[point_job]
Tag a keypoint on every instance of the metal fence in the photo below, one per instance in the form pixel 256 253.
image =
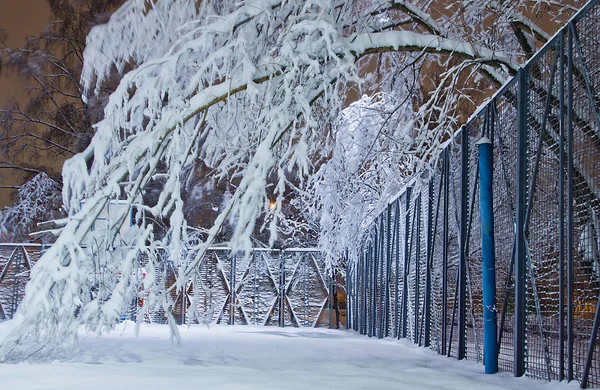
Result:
pixel 418 275
pixel 16 261
pixel 270 287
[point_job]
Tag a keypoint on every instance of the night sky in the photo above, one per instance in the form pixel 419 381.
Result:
pixel 18 18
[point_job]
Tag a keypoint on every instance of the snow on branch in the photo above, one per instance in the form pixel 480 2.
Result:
pixel 408 41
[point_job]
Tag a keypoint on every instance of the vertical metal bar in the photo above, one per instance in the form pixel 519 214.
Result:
pixel 520 260
pixel 434 233
pixel 255 288
pixel 375 280
pixel 15 300
pixel 362 290
pixel 330 300
pixel 388 265
pixel 446 239
pixel 406 257
pixel 561 213
pixel 369 314
pixel 349 297
pixel 360 272
pixel 374 286
pixel 397 260
pixel 365 282
pixel 490 346
pixel 382 267
pixel 183 304
pixel 354 274
pixel 417 272
pixel 462 285
pixel 282 289
pixel 429 259
pixel 360 286
pixel 570 242
pixel 335 303
pixel 357 289
pixel 232 296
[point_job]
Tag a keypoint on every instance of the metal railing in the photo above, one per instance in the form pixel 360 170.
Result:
pixel 16 261
pixel 270 287
pixel 418 275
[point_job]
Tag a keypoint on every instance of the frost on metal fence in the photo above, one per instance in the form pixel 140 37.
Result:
pixel 269 287
pixel 418 275
pixel 15 263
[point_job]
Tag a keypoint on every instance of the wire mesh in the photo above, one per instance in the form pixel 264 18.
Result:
pixel 503 119
pixel 558 112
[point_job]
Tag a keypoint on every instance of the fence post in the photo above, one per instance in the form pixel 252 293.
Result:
pixel 490 343
pixel 373 287
pixel 570 243
pixel 15 297
pixel 429 259
pixel 416 338
pixel 282 289
pixel 462 274
pixel 232 292
pixel 369 290
pixel 382 269
pixel 396 244
pixel 348 294
pixel 365 279
pixel 330 300
pixel 520 260
pixel 388 265
pixel 561 212
pixel 406 257
pixel 183 305
pixel 356 290
pixel 375 273
pixel 446 240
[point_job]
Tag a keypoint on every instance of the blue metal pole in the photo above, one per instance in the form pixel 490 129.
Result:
pixel 490 331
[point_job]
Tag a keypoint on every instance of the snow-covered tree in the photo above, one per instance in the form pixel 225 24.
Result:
pixel 370 163
pixel 39 200
pixel 51 123
pixel 248 87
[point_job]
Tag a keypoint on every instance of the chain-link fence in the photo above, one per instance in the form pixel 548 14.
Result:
pixel 419 274
pixel 270 287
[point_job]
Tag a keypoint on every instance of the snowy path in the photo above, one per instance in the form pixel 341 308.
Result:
pixel 242 357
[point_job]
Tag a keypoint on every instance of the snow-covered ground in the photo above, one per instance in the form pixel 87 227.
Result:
pixel 243 357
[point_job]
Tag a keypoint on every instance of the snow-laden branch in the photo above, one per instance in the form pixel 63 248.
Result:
pixel 409 41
